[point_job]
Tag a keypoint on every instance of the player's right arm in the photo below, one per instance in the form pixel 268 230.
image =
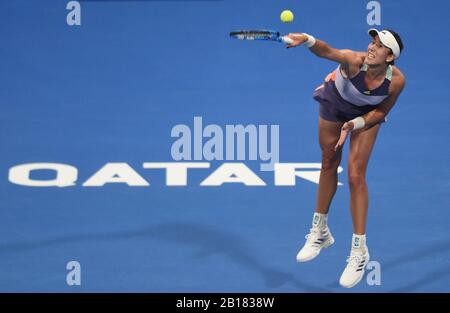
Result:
pixel 350 60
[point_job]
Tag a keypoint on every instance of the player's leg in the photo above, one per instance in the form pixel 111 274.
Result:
pixel 329 133
pixel 361 145
pixel 320 236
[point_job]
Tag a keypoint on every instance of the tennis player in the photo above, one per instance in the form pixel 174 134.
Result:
pixel 354 101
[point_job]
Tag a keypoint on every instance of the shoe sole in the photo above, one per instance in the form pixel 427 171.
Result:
pixel 326 244
pixel 355 283
pixel 359 280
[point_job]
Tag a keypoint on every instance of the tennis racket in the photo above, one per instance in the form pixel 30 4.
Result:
pixel 262 34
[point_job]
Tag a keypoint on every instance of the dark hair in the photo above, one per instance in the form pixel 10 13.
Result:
pixel 399 41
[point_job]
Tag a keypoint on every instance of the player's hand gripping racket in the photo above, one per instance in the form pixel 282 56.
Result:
pixel 261 34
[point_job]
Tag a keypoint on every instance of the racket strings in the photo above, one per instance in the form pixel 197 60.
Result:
pixel 254 35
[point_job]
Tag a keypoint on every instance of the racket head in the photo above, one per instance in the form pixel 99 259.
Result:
pixel 258 34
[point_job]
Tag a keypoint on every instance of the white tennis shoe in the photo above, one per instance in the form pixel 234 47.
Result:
pixel 316 240
pixel 354 271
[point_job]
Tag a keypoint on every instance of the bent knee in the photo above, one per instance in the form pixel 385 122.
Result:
pixel 330 162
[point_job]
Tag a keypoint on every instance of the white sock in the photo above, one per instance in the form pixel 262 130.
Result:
pixel 320 220
pixel 359 242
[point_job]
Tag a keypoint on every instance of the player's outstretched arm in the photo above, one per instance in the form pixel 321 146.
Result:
pixel 345 57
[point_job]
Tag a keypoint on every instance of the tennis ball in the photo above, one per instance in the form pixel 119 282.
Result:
pixel 287 16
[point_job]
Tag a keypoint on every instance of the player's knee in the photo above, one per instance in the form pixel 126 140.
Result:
pixel 356 176
pixel 330 162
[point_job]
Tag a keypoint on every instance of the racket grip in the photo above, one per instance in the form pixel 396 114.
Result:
pixel 287 40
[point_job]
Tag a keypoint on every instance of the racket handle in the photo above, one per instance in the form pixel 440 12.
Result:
pixel 287 40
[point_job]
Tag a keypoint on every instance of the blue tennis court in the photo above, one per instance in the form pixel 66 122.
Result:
pixel 93 108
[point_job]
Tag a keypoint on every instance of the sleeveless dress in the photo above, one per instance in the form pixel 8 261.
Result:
pixel 342 99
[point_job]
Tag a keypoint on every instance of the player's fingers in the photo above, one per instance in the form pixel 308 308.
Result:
pixel 293 44
pixel 339 143
pixel 336 147
pixel 341 140
pixel 294 36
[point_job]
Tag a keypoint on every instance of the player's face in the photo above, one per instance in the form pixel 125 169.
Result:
pixel 377 53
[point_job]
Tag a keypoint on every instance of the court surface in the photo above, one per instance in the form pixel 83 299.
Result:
pixel 112 89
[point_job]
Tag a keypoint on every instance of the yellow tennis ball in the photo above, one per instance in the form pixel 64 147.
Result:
pixel 287 16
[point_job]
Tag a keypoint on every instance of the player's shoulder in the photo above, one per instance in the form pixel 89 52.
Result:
pixel 398 78
pixel 397 73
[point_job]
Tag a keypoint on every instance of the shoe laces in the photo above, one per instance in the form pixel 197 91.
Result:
pixel 354 260
pixel 314 234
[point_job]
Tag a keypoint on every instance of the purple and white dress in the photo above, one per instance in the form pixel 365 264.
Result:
pixel 342 99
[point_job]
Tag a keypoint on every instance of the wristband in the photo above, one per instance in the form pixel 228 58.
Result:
pixel 358 123
pixel 310 42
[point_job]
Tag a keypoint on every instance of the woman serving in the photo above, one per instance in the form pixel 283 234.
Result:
pixel 354 100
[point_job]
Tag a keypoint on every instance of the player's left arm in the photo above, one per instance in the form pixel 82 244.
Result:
pixel 378 114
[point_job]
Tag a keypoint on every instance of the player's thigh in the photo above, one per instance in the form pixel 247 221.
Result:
pixel 361 146
pixel 329 133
